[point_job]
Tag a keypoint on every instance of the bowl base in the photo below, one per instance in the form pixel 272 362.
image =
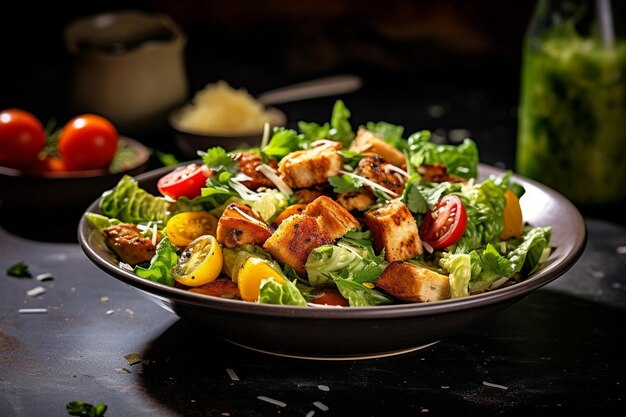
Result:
pixel 347 357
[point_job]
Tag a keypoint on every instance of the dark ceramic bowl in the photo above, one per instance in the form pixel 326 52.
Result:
pixel 361 332
pixel 189 143
pixel 66 190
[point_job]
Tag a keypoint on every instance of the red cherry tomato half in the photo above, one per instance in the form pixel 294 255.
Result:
pixel 184 181
pixel 88 142
pixel 445 224
pixel 22 138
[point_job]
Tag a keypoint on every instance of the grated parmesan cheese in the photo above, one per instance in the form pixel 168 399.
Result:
pixel 371 184
pixel 219 108
pixel 271 175
pixel 231 373
pixel 36 291
pixel 492 385
pixel 272 401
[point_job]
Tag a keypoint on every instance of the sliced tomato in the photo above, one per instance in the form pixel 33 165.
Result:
pixel 200 263
pixel 187 226
pixel 185 181
pixel 445 224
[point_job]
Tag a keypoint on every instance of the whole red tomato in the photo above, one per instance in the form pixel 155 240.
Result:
pixel 88 142
pixel 22 138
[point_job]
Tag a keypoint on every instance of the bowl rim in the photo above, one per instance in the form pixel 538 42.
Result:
pixel 142 157
pixel 554 268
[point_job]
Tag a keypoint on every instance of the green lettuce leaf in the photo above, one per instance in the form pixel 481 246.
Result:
pixel 349 258
pixel 339 128
pixel 359 295
pixel 283 142
pixel 523 255
pixel 100 222
pixel 392 134
pixel 461 160
pixel 271 292
pixel 459 269
pixel 131 204
pixel 161 264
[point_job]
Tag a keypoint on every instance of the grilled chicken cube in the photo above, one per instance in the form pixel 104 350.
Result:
pixel 248 162
pixel 303 169
pixel 355 200
pixel 127 241
pixel 410 282
pixel 437 173
pixel 306 195
pixel 394 229
pixel 335 220
pixel 221 287
pixel 369 143
pixel 241 225
pixel 295 239
pixel 373 168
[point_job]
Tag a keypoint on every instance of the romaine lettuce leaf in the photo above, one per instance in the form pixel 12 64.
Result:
pixel 392 134
pixel 131 204
pixel 161 264
pixel 459 269
pixel 348 258
pixel 484 204
pixel 359 295
pixel 271 292
pixel 524 255
pixel 461 160
pixel 100 222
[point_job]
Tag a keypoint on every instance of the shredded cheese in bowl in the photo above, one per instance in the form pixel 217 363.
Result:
pixel 221 109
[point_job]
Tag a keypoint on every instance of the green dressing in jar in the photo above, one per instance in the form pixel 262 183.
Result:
pixel 572 126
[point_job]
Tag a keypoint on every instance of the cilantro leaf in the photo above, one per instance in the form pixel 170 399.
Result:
pixel 283 141
pixel 412 196
pixel 81 408
pixel 19 270
pixel 218 160
pixel 345 183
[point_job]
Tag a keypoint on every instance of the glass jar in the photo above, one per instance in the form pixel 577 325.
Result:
pixel 572 116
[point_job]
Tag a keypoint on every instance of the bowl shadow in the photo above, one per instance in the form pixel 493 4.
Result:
pixel 544 339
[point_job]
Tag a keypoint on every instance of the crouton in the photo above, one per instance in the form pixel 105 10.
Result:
pixel 335 220
pixel 410 282
pixel 127 241
pixel 394 229
pixel 303 169
pixel 241 225
pixel 355 200
pixel 295 239
pixel 369 143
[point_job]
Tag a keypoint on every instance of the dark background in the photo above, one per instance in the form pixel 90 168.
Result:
pixel 437 65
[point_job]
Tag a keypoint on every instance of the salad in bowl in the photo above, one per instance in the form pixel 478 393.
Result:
pixel 327 215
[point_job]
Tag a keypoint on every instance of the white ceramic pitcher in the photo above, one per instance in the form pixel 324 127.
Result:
pixel 129 67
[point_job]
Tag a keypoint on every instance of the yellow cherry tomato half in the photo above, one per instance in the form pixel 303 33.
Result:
pixel 200 263
pixel 513 221
pixel 249 278
pixel 185 227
